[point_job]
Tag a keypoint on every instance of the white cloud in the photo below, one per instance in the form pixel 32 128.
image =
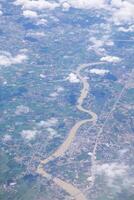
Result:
pixel 87 4
pixel 123 12
pixel 42 21
pixel 65 6
pixel 90 178
pixel 6 59
pixel 19 58
pixel 99 71
pixel 114 59
pixel 53 94
pixel 116 3
pixel 30 14
pixel 73 78
pixel 98 45
pixel 52 131
pixel 23 50
pixel 36 34
pixel 129 29
pixel 116 175
pixel 42 76
pixel 112 171
pixel 36 5
pixel 1 13
pixel 7 138
pixel 28 134
pixel 57 91
pixel 48 123
pixel 22 110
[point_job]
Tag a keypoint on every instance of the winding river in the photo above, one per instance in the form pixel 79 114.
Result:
pixel 68 187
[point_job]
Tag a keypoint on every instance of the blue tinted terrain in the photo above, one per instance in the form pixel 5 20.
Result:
pixel 66 100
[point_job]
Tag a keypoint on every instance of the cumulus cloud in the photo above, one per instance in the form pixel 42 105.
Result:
pixel 124 12
pixel 57 91
pixel 121 11
pixel 7 138
pixel 19 58
pixel 42 22
pixel 28 134
pixel 52 131
pixel 36 34
pixel 125 30
pixel 49 126
pixel 36 5
pixel 87 4
pixel 21 109
pixel 99 71
pixel 1 13
pixel 48 123
pixel 53 94
pixel 112 171
pixel 43 4
pixel 30 14
pixel 98 45
pixel 73 78
pixel 65 6
pixel 114 59
pixel 6 59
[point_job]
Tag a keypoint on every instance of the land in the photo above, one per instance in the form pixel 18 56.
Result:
pixel 66 116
